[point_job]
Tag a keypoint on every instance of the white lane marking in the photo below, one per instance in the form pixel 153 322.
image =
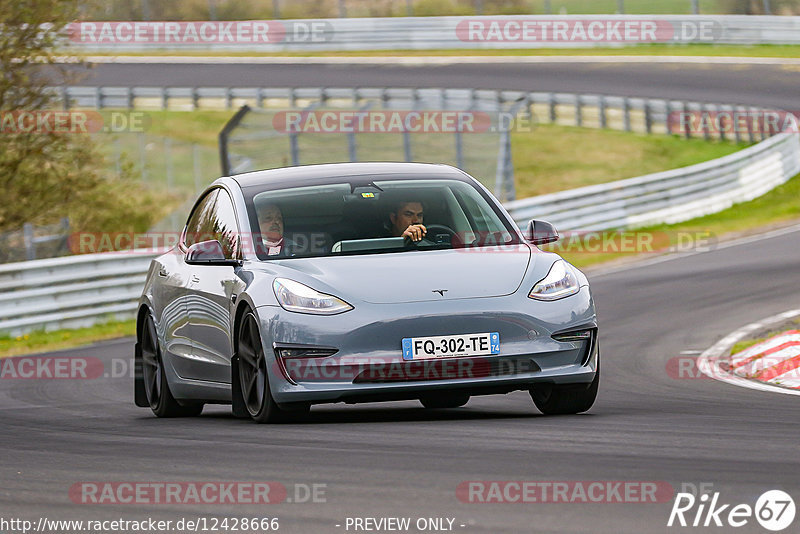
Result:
pixel 430 60
pixel 709 363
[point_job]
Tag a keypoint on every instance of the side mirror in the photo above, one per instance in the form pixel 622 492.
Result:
pixel 541 232
pixel 208 253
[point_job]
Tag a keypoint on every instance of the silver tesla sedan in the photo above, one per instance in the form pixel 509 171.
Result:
pixel 360 282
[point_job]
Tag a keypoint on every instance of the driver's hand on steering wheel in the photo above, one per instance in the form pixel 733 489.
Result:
pixel 415 232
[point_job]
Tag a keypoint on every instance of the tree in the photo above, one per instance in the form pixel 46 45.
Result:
pixel 46 174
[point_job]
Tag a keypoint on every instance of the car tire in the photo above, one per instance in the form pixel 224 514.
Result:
pixel 253 376
pixel 154 379
pixel 435 402
pixel 552 399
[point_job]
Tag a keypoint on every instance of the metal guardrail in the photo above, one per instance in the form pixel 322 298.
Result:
pixel 82 290
pixel 446 32
pixel 70 292
pixel 647 115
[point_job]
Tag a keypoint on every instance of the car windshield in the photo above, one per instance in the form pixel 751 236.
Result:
pixel 369 217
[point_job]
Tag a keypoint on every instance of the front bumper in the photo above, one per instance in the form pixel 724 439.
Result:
pixel 368 363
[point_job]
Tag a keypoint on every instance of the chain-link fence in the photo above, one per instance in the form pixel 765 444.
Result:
pixel 465 128
pixel 33 242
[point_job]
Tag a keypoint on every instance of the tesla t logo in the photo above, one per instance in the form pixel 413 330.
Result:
pixel 440 291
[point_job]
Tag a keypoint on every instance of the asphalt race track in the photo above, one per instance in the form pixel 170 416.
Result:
pixel 766 85
pixel 399 460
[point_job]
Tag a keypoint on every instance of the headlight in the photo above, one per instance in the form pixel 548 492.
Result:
pixel 296 297
pixel 560 282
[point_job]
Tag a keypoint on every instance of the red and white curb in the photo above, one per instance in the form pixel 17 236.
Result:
pixel 772 365
pixel 775 361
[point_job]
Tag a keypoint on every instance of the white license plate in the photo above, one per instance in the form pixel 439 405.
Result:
pixel 428 348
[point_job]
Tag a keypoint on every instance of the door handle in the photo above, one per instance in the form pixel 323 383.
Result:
pixel 195 278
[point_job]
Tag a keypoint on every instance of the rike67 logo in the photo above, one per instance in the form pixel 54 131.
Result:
pixel 774 510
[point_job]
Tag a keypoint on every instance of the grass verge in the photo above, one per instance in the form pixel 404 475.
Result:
pixel 545 159
pixel 41 341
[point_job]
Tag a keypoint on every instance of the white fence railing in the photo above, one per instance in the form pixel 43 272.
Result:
pixel 70 292
pixel 431 33
pixel 82 290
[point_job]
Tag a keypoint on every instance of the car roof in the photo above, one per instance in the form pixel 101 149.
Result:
pixel 313 174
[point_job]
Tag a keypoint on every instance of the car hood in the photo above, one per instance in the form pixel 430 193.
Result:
pixel 415 276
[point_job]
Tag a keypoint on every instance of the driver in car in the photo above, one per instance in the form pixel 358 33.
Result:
pixel 406 220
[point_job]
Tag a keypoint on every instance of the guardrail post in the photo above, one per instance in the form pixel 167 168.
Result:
pixel 27 236
pixel 721 122
pixel 552 103
pixel 195 99
pixel 703 115
pixel 129 97
pixel 602 112
pixel 688 132
pixel 164 97
pixel 668 116
pixel 751 135
pixel 98 97
pixel 578 110
pixel 648 117
pixel 736 131
pixel 260 97
pixel 626 108
pixel 64 98
pixel 228 98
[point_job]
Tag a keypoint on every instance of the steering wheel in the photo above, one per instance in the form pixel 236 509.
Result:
pixel 431 230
